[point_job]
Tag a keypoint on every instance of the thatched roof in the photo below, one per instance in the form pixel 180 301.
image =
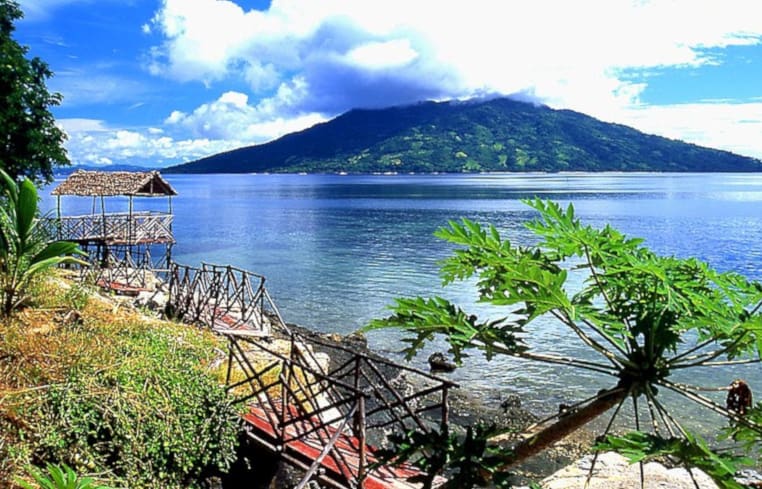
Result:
pixel 97 183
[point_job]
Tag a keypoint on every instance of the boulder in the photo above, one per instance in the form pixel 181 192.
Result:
pixel 613 471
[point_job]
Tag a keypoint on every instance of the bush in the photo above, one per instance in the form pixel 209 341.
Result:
pixel 114 393
pixel 59 478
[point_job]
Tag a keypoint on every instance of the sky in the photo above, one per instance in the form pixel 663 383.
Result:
pixel 156 83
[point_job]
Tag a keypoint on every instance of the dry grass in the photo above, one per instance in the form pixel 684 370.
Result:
pixel 41 345
pixel 73 329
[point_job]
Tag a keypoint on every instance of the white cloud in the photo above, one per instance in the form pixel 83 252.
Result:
pixel 382 55
pixel 92 86
pixel 39 10
pixel 93 142
pixel 231 117
pixel 724 125
pixel 303 61
pixel 570 54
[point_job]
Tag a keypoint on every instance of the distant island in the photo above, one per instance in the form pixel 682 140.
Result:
pixel 65 171
pixel 497 135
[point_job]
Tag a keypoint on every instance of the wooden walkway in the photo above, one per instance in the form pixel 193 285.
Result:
pixel 319 405
pixel 223 298
pixel 337 467
pixel 320 414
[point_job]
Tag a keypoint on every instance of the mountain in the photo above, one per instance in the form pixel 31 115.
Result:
pixel 493 135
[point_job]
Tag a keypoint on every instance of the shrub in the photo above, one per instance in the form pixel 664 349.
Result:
pixel 115 393
pixel 59 478
pixel 25 248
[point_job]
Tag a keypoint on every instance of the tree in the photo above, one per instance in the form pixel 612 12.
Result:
pixel 31 144
pixel 642 316
pixel 25 250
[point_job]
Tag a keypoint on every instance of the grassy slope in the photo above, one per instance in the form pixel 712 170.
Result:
pixel 99 386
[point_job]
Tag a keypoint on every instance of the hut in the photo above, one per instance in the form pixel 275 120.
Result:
pixel 127 234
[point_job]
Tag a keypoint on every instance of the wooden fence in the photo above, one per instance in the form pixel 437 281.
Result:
pixel 222 298
pixel 135 228
pixel 324 407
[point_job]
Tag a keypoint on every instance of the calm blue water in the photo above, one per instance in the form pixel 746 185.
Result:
pixel 337 249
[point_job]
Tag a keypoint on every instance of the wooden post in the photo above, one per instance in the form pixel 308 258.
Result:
pixel 129 222
pixel 230 360
pixel 445 410
pixel 360 423
pixel 58 214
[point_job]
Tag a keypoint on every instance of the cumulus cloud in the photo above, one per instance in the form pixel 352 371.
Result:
pixel 300 62
pixel 231 117
pixel 563 51
pixel 94 142
pixel 306 58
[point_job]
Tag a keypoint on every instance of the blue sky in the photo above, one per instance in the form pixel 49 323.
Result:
pixel 156 83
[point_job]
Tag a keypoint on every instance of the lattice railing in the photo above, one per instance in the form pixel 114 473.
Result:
pixel 140 227
pixel 126 268
pixel 304 397
pixel 221 297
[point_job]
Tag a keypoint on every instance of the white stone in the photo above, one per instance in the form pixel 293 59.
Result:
pixel 613 471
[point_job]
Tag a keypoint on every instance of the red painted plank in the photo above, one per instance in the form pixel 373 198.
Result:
pixel 310 447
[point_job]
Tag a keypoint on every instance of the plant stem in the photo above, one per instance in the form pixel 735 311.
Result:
pixel 565 425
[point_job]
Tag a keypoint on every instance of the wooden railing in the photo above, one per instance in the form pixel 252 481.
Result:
pixel 320 405
pixel 129 269
pixel 222 298
pixel 121 268
pixel 136 228
pixel 345 406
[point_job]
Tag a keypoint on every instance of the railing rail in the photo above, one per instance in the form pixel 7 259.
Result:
pixel 310 398
pixel 138 227
pixel 305 391
pixel 221 298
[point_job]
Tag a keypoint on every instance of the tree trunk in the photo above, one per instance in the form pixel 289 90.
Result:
pixel 566 424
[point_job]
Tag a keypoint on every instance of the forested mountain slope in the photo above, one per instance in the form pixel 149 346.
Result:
pixel 493 135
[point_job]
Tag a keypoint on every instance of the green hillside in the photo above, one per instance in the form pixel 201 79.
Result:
pixel 495 135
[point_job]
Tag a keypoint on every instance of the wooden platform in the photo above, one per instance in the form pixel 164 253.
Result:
pixel 340 464
pixel 120 288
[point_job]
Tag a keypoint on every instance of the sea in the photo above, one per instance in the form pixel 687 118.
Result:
pixel 338 249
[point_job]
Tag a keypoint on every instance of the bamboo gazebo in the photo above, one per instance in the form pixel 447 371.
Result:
pixel 129 235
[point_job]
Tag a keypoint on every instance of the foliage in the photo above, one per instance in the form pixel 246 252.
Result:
pixel 691 450
pixel 25 249
pixel 745 434
pixel 470 461
pixel 59 478
pixel 31 144
pixel 113 393
pixel 642 316
pixel 493 135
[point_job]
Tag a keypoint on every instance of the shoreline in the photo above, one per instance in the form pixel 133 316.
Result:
pixel 467 409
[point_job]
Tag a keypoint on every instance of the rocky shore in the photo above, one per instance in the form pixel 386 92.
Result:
pixel 565 465
pixel 467 409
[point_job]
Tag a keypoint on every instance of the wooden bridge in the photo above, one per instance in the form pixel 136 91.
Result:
pixel 321 406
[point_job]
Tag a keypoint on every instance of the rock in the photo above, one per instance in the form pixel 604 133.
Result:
pixel 155 301
pixel 749 477
pixel 613 471
pixel 512 401
pixel 438 362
